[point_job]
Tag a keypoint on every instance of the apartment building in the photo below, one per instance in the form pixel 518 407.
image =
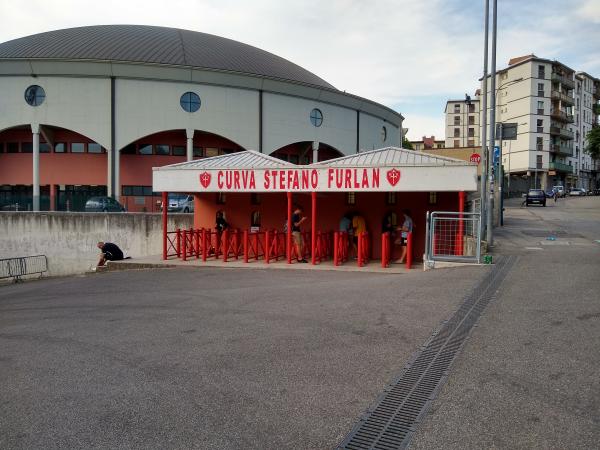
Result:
pixel 540 95
pixel 463 122
pixel 587 94
pixel 428 143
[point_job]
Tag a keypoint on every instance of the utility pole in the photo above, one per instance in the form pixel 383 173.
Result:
pixel 490 208
pixel 483 182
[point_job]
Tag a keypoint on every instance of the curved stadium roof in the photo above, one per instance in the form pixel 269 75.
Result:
pixel 157 45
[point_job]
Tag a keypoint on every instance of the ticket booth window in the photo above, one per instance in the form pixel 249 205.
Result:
pixel 350 198
pixel 432 198
pixel 255 219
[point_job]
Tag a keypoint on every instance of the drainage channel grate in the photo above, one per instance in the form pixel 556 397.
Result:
pixel 391 423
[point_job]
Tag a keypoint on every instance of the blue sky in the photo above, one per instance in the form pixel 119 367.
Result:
pixel 411 55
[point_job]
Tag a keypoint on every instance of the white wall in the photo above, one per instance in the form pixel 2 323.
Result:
pixel 370 133
pixel 78 104
pixel 69 239
pixel 146 107
pixel 286 120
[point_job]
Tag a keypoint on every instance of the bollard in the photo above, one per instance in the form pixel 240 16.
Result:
pixel 225 243
pixel 178 242
pixel 267 246
pixel 204 245
pixel 184 245
pixel 359 250
pixel 246 246
pixel 336 244
pixel 384 250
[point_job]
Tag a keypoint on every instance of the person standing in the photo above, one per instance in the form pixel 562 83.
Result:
pixel 297 219
pixel 358 226
pixel 407 227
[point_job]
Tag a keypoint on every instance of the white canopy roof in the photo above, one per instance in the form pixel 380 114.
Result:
pixel 388 169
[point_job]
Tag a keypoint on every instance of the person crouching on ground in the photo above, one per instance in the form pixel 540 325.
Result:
pixel 109 252
pixel 407 227
pixel 297 219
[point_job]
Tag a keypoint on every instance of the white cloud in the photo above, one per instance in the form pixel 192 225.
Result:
pixel 589 10
pixel 424 125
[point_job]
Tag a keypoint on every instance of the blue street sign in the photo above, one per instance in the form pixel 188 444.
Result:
pixel 496 157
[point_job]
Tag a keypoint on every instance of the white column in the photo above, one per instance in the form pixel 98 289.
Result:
pixel 189 133
pixel 315 149
pixel 109 173
pixel 35 129
pixel 117 192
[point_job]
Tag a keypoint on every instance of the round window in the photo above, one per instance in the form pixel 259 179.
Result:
pixel 316 117
pixel 383 134
pixel 35 95
pixel 190 102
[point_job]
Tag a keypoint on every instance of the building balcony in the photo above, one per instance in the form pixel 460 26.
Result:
pixel 566 99
pixel 562 116
pixel 562 132
pixel 561 167
pixel 565 150
pixel 596 91
pixel 565 81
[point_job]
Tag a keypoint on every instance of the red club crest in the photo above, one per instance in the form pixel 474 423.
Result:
pixel 393 176
pixel 205 179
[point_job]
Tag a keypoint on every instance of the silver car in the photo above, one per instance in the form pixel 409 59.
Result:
pixel 183 203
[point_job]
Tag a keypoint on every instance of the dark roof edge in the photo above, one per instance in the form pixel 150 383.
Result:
pixel 531 59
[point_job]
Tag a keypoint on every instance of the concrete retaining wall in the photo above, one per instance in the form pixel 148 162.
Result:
pixel 69 239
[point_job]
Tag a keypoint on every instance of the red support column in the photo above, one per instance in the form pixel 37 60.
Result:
pixel 205 244
pixel 384 250
pixel 246 246
pixel 461 223
pixel 164 223
pixel 409 245
pixel 225 244
pixel 289 229
pixel 52 197
pixel 313 236
pixel 360 248
pixel 268 245
pixel 336 238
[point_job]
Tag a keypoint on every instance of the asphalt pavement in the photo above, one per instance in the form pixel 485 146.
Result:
pixel 529 377
pixel 209 358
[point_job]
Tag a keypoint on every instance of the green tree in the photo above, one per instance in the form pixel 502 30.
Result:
pixel 406 143
pixel 593 143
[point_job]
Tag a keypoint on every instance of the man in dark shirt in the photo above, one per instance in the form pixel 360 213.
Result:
pixel 221 223
pixel 297 219
pixel 110 252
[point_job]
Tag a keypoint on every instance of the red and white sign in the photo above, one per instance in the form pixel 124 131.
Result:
pixel 322 179
pixel 475 158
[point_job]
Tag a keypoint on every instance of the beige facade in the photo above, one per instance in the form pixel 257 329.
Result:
pixel 462 123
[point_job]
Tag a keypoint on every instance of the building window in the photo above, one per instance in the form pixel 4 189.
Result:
pixel 541 72
pixel 457 108
pixel 383 134
pixel 60 147
pixel 316 117
pixel 456 120
pixel 198 152
pixel 35 95
pixel 137 191
pixel 539 161
pixel 190 102
pixel 390 198
pixel 457 132
pixel 77 147
pixel 350 198
pixel 221 198
pixel 540 89
pixel 539 143
pixel 44 147
pixel 211 152
pixel 540 125
pixel 471 143
pixel 94 147
pixel 162 149
pixel 178 150
pixel 145 149
pixel 432 200
pixel 456 143
pixel 12 147
pixel 540 107
pixel 471 132
pixel 471 108
pixel 26 147
pixel 471 120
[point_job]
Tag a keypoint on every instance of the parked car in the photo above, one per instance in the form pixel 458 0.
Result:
pixel 103 204
pixel 180 203
pixel 550 193
pixel 560 189
pixel 535 196
pixel 597 191
pixel 577 192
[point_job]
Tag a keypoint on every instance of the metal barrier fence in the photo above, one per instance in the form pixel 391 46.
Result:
pixel 21 266
pixel 453 236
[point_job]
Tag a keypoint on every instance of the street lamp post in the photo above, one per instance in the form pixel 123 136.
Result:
pixel 490 235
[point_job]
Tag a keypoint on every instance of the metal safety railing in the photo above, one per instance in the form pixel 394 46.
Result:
pixel 22 266
pixel 453 236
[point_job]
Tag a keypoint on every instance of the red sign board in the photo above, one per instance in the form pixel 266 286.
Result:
pixel 475 158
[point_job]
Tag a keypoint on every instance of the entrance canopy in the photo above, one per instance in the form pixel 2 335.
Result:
pixel 388 169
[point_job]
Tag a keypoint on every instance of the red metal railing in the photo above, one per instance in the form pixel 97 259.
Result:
pixel 275 246
pixel 340 247
pixel 363 248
